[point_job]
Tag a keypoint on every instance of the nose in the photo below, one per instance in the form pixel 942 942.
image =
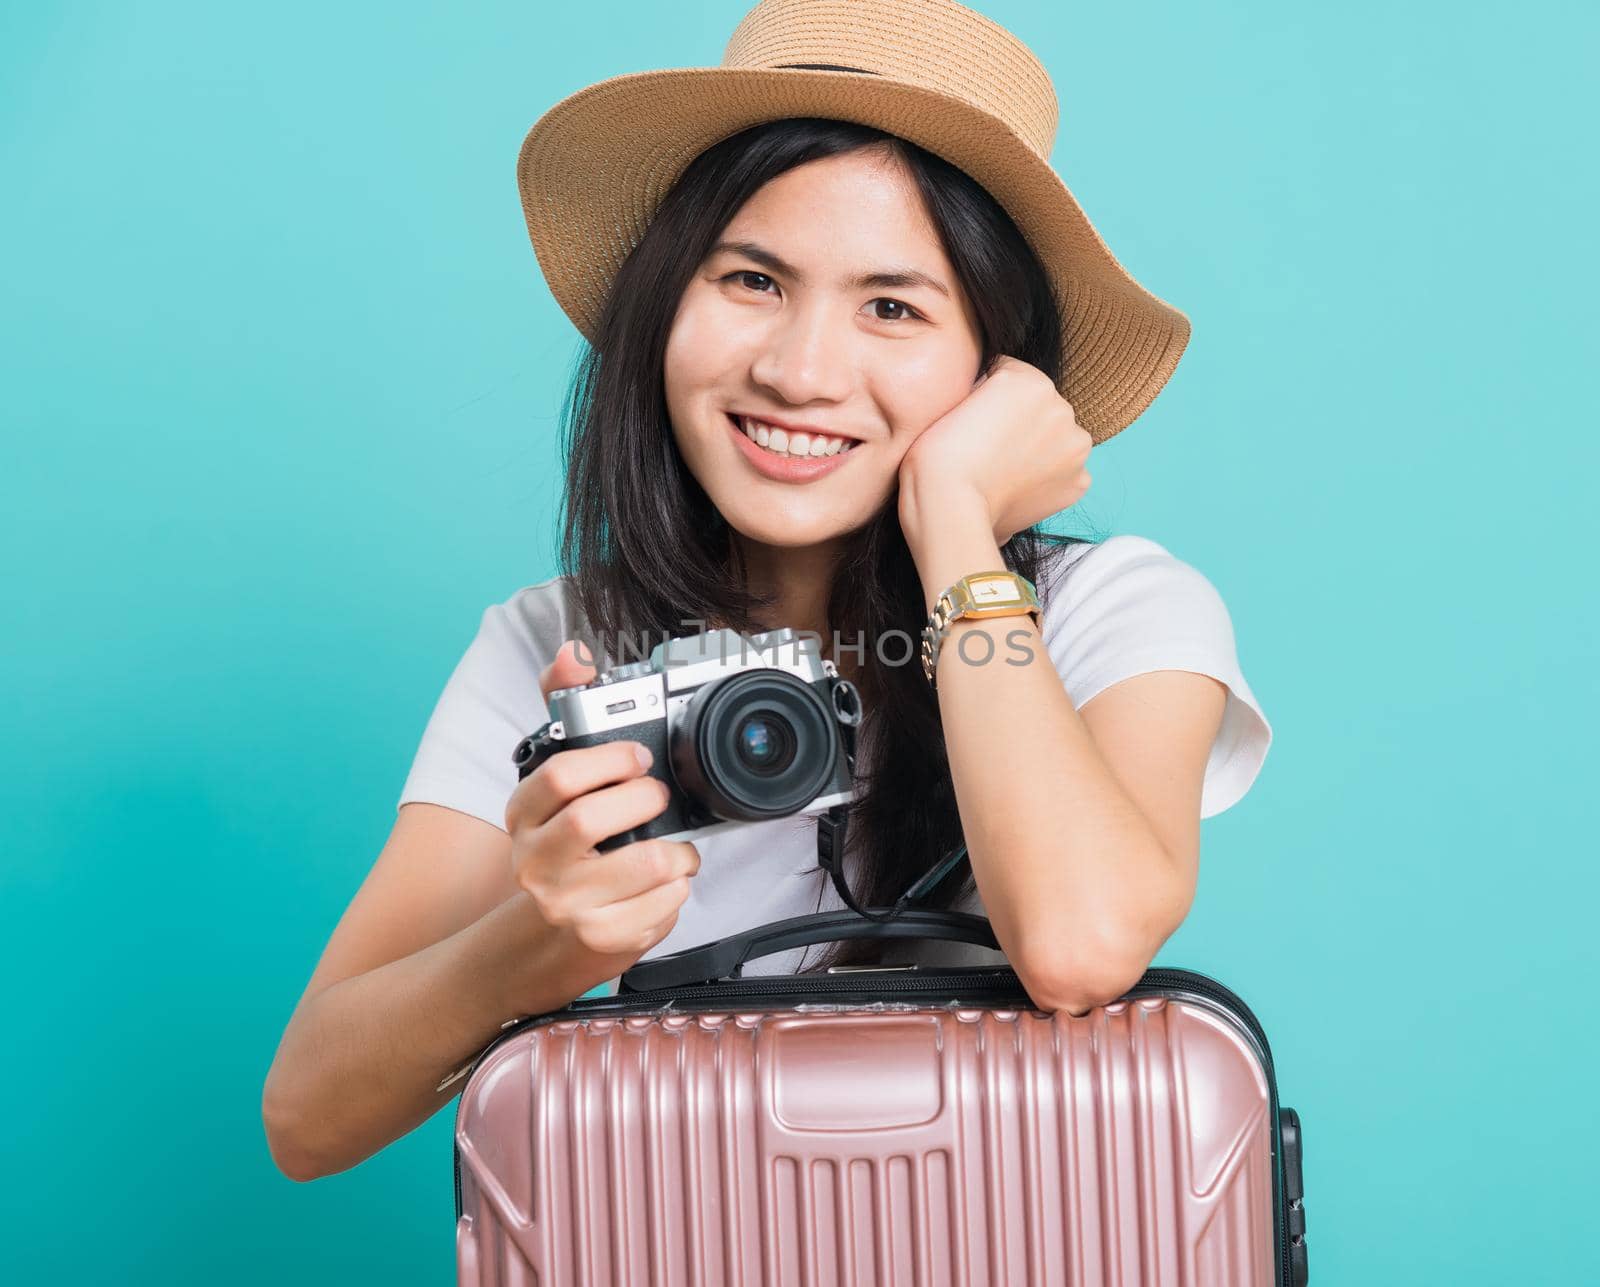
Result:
pixel 804 356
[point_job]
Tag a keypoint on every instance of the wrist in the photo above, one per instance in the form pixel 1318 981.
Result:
pixel 957 540
pixel 530 965
pixel 928 508
pixel 511 965
pixel 979 599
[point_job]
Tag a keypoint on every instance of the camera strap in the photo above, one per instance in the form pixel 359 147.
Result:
pixel 830 857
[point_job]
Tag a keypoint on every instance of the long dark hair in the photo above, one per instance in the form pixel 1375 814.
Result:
pixel 647 551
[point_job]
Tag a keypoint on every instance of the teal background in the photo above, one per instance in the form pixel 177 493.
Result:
pixel 279 382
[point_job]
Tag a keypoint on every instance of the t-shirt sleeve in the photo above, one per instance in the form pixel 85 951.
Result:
pixel 1127 606
pixel 491 701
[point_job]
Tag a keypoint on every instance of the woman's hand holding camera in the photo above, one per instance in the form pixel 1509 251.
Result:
pixel 616 905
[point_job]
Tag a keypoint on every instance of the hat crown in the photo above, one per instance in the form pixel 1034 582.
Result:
pixel 937 44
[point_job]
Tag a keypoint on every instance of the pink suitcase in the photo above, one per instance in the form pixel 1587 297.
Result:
pixel 905 1125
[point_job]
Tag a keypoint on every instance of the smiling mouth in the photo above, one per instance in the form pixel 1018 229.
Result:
pixel 791 446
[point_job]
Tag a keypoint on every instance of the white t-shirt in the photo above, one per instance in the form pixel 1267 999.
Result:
pixel 1113 609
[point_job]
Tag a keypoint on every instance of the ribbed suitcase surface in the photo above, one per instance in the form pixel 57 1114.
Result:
pixel 869 1145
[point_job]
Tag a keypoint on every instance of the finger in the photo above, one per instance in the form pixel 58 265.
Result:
pixel 568 775
pixel 635 925
pixel 568 669
pixel 618 875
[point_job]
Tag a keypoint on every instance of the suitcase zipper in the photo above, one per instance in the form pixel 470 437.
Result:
pixel 1001 981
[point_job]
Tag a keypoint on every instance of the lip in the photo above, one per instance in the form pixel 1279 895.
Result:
pixel 789 426
pixel 782 469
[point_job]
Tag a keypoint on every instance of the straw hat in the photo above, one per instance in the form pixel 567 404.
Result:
pixel 594 167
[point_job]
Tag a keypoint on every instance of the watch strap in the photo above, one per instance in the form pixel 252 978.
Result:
pixel 959 602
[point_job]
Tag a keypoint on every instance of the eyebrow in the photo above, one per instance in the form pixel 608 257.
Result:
pixel 897 276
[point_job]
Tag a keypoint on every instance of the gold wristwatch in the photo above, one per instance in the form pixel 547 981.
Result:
pixel 978 594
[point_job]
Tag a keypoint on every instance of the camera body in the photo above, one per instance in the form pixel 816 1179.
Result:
pixel 742 728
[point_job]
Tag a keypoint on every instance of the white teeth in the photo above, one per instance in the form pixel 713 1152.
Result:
pixel 782 442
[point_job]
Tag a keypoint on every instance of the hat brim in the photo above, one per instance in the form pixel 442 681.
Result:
pixel 592 170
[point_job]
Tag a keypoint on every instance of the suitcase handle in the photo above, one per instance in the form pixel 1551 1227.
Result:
pixel 711 962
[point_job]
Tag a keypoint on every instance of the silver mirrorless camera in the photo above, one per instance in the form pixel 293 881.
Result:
pixel 742 728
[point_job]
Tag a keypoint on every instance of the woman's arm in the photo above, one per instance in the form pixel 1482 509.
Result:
pixel 460 927
pixel 1082 827
pixel 438 949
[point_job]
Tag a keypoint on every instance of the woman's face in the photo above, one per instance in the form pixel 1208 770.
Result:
pixel 777 323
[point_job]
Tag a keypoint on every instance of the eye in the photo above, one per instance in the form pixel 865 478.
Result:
pixel 746 272
pixel 908 313
pixel 898 304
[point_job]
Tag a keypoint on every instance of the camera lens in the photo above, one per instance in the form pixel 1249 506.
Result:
pixel 765 742
pixel 761 743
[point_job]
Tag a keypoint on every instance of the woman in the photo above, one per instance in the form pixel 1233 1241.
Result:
pixel 828 378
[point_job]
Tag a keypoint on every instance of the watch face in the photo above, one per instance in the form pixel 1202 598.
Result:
pixel 993 589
